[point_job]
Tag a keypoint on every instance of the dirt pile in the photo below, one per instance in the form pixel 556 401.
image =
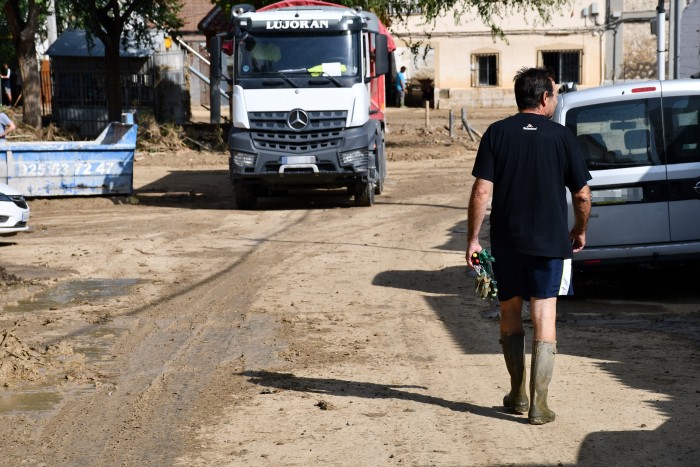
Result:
pixel 18 361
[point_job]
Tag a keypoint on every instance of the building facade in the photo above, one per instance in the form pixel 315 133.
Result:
pixel 587 43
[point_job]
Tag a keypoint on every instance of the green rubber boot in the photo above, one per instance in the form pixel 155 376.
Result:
pixel 514 353
pixel 541 374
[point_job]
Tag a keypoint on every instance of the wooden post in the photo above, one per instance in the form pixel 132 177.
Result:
pixel 465 125
pixel 215 80
pixel 451 124
pixel 427 114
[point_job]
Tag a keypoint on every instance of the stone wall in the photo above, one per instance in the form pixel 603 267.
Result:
pixel 640 52
pixel 689 60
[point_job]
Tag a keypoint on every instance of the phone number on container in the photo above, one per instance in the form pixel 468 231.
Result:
pixel 42 169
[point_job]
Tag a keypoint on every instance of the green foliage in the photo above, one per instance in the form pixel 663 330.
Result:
pixel 7 48
pixel 103 18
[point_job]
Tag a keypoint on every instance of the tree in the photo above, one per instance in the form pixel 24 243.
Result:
pixel 24 20
pixel 108 20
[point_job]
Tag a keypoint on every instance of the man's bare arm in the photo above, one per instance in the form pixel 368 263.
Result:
pixel 479 201
pixel 581 201
pixel 8 129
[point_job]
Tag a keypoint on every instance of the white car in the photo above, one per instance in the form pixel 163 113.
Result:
pixel 14 211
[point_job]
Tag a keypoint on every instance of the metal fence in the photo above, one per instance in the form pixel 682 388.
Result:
pixel 74 93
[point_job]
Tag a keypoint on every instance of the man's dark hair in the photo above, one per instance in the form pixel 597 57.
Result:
pixel 530 84
pixel 403 68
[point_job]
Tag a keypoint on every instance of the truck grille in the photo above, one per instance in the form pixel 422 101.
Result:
pixel 271 132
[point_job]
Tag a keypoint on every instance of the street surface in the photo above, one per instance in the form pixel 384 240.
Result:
pixel 170 329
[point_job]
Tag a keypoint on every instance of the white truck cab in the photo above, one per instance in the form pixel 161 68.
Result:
pixel 641 142
pixel 308 100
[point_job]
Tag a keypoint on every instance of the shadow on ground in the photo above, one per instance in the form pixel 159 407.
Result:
pixel 661 306
pixel 345 388
pixel 211 189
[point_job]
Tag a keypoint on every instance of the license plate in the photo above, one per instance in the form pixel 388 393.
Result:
pixel 25 216
pixel 289 160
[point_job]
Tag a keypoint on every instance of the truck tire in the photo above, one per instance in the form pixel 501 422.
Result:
pixel 379 186
pixel 381 166
pixel 364 194
pixel 246 196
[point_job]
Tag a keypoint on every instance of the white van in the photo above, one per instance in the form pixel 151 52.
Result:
pixel 642 145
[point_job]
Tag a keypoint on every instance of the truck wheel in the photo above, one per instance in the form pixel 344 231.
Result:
pixel 379 186
pixel 364 194
pixel 245 196
pixel 381 166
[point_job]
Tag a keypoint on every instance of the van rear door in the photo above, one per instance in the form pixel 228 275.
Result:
pixel 681 115
pixel 622 141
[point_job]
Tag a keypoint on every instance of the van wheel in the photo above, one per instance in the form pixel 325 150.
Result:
pixel 246 196
pixel 364 194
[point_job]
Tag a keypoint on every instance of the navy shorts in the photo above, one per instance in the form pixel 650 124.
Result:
pixel 529 276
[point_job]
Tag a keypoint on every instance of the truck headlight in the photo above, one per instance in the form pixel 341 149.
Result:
pixel 358 158
pixel 242 159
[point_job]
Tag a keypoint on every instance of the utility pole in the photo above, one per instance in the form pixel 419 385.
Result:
pixel 661 41
pixel 675 40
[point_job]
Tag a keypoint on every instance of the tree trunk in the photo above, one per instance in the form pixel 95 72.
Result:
pixel 23 35
pixel 31 87
pixel 113 81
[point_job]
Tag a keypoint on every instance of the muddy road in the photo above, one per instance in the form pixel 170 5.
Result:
pixel 168 328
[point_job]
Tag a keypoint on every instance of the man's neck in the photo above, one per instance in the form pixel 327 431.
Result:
pixel 537 111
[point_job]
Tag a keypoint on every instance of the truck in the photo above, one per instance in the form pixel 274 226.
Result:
pixel 308 100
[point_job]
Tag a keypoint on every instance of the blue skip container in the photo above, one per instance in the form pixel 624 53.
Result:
pixel 104 166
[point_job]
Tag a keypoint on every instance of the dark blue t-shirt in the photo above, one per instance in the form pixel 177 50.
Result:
pixel 531 161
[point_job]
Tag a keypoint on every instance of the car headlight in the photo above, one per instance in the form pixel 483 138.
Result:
pixel 358 158
pixel 242 159
pixel 17 199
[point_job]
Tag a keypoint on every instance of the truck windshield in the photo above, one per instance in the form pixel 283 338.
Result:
pixel 332 56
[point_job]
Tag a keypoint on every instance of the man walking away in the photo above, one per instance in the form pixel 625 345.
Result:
pixel 527 162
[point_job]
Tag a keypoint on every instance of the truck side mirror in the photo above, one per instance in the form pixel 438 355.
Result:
pixel 381 55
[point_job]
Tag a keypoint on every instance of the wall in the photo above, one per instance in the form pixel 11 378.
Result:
pixel 690 41
pixel 456 43
pixel 639 44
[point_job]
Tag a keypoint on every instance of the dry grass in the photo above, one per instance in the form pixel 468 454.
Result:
pixel 152 136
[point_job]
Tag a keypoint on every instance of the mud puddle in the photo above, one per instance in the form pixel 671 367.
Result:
pixel 73 293
pixel 30 400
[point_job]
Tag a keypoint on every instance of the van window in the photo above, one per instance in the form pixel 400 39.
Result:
pixel 618 134
pixel 681 116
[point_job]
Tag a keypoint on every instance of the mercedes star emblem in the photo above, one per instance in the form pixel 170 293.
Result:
pixel 297 119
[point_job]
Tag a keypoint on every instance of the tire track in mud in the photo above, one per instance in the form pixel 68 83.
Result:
pixel 183 355
pixel 169 378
